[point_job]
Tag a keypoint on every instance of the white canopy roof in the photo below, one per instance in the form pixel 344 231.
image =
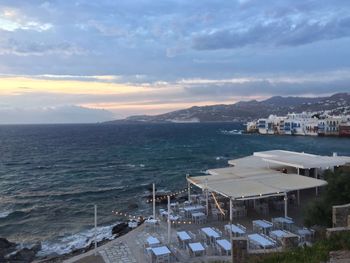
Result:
pixel 301 160
pixel 256 176
pixel 245 184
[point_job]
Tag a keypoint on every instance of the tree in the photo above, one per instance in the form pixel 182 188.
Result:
pixel 337 192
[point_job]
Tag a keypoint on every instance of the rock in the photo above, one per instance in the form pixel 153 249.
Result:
pixel 8 252
pixel 133 206
pixel 37 247
pixel 5 244
pixel 25 255
pixel 120 229
pixel 6 247
pixel 341 256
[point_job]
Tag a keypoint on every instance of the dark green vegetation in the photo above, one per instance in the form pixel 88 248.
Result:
pixel 337 192
pixel 319 212
pixel 319 252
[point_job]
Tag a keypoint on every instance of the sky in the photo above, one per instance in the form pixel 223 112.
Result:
pixel 92 61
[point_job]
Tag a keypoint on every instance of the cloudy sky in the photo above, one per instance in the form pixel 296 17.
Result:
pixel 88 61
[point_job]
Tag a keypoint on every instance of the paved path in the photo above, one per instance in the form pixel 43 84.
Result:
pixel 118 252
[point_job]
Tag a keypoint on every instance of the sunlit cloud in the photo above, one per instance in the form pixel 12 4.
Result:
pixel 21 85
pixel 152 57
pixel 13 19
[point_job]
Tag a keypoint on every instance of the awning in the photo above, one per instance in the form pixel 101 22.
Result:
pixel 301 160
pixel 259 175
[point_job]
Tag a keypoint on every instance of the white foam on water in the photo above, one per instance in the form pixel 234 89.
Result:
pixel 4 214
pixel 77 241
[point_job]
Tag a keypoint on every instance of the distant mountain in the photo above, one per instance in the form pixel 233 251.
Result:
pixel 250 110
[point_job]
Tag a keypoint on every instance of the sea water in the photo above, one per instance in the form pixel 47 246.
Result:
pixel 52 175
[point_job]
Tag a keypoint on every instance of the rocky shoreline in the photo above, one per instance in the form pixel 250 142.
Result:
pixel 10 252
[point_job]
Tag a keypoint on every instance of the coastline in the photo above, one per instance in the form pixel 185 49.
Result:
pixel 130 235
pixel 14 252
pixel 118 231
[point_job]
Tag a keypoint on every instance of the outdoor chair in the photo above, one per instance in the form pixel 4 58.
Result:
pixel 192 235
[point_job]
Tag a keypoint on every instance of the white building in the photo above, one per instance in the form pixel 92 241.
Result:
pixel 329 125
pixel 301 124
pixel 272 125
pixel 252 126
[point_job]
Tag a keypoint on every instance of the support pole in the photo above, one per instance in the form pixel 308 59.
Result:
pixel 285 204
pixel 188 189
pixel 316 176
pixel 298 191
pixel 154 201
pixel 298 197
pixel 231 217
pixel 206 196
pixel 169 222
pixel 95 232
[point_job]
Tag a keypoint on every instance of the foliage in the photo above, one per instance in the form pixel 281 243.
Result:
pixel 319 252
pixel 319 212
pixel 337 192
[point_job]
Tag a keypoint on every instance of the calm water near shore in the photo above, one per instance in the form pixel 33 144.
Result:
pixel 51 175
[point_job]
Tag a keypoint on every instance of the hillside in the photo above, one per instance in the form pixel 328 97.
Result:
pixel 250 110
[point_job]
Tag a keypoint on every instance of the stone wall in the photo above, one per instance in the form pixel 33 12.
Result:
pixel 336 230
pixel 240 249
pixel 290 241
pixel 341 215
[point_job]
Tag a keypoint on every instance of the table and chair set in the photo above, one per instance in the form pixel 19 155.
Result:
pixel 208 238
pixel 156 252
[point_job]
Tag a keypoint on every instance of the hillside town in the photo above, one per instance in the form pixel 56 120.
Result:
pixel 305 123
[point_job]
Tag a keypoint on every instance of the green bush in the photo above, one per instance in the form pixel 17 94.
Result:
pixel 319 252
pixel 319 212
pixel 337 192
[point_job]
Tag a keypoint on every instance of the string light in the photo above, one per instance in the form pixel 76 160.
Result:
pixel 166 196
pixel 181 222
pixel 174 222
pixel 126 215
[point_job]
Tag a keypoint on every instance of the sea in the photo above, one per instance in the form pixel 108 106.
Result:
pixel 51 176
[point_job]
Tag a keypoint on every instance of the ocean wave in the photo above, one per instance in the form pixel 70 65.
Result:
pixel 77 241
pixel 218 158
pixel 71 193
pixel 231 132
pixel 134 165
pixel 4 214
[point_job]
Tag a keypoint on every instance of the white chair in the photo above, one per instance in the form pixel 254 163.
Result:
pixel 192 235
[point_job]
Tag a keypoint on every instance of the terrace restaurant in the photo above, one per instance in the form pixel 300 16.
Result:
pixel 245 191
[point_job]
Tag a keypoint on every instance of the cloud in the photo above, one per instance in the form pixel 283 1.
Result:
pixel 125 56
pixel 46 115
pixel 274 33
pixel 169 95
pixel 163 40
pixel 29 48
pixel 13 19
pixel 268 87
